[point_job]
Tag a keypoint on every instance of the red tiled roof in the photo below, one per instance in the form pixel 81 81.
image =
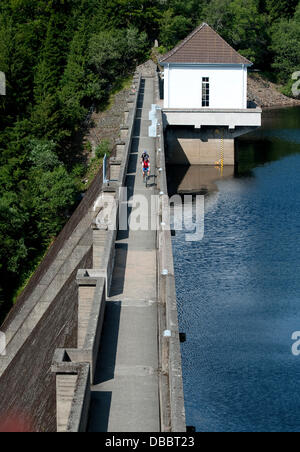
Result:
pixel 204 45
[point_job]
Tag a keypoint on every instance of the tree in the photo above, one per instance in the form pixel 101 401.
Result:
pixel 286 47
pixel 42 155
pixel 51 195
pixel 173 29
pixel 112 53
pixel 52 58
pixel 241 24
pixel 141 14
pixel 279 10
pixel 13 250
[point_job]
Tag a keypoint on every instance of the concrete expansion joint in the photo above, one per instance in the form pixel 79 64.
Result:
pixel 137 371
pixel 129 303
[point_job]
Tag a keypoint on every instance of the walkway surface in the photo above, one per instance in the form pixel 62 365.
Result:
pixel 125 397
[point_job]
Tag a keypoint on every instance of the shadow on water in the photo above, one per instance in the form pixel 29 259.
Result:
pixel 196 179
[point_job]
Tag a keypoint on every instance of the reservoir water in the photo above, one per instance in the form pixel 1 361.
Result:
pixel 238 289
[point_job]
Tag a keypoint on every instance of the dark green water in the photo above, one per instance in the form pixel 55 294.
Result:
pixel 239 290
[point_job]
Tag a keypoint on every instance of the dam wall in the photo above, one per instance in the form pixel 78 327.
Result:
pixel 55 332
pixel 75 368
pixel 45 316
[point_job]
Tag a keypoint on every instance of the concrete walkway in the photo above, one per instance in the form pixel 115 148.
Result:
pixel 125 397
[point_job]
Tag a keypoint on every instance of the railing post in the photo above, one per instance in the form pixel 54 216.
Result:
pixel 105 180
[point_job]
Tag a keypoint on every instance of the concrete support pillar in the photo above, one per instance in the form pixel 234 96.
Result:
pixel 99 244
pixel 72 392
pixel 86 293
pixel 123 132
pixel 200 147
pixel 65 390
pixel 120 146
pixel 115 166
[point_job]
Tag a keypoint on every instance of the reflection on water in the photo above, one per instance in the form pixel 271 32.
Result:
pixel 197 179
pixel 239 288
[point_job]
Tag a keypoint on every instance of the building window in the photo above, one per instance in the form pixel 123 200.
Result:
pixel 205 92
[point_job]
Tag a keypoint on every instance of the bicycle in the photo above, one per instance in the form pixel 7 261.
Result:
pixel 146 176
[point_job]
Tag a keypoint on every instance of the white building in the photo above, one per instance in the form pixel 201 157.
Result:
pixel 205 72
pixel 205 85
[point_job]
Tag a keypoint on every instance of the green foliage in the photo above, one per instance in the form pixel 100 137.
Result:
pixel 280 9
pixel 102 149
pixel 242 25
pixel 12 220
pixel 143 15
pixel 54 194
pixel 286 47
pixel 179 19
pixel 57 64
pixel 174 28
pixel 112 53
pixel 42 155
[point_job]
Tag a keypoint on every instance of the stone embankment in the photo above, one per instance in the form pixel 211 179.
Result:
pixel 266 94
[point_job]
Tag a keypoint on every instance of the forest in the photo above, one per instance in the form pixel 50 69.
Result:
pixel 60 58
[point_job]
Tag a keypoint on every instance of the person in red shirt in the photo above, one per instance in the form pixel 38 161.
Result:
pixel 146 167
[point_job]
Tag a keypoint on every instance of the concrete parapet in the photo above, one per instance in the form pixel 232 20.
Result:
pixel 104 237
pixel 36 306
pixel 120 147
pixel 104 254
pixel 126 113
pixel 72 393
pixel 132 105
pixel 171 386
pixel 124 132
pixel 99 245
pixel 91 300
pixel 115 167
pixel 75 368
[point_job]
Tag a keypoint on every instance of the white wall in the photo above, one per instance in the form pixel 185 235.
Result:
pixel 183 86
